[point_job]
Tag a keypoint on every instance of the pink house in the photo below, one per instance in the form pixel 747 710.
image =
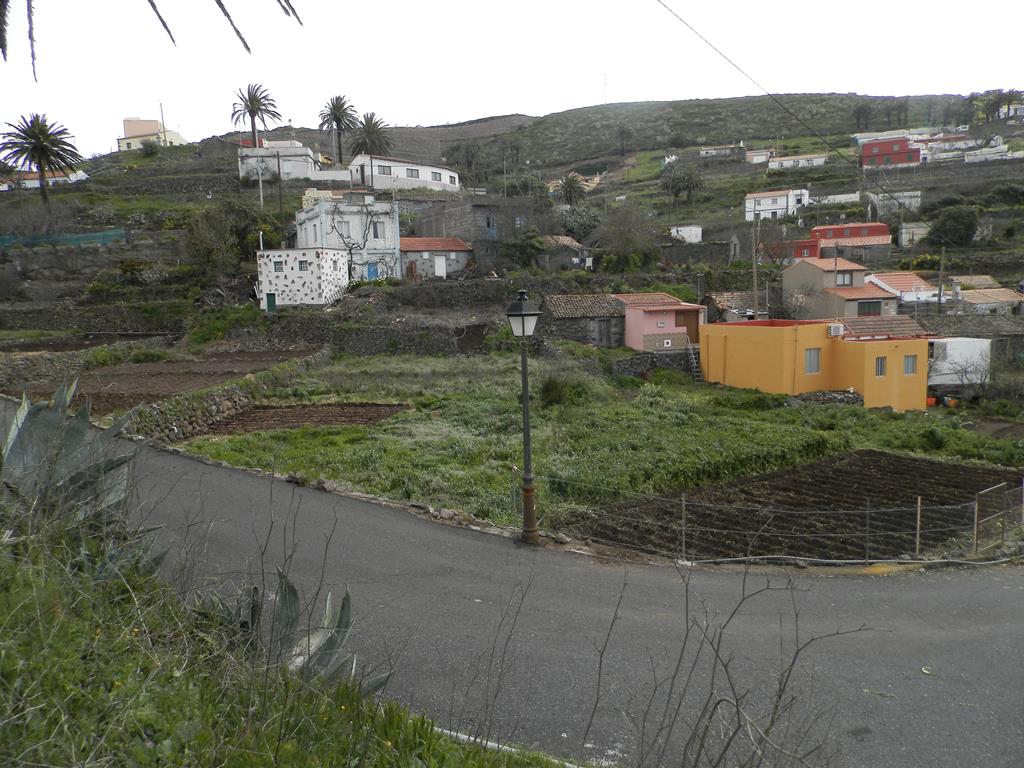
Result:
pixel 657 321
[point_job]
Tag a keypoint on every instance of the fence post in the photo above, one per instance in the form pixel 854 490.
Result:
pixel 977 510
pixel 684 526
pixel 917 530
pixel 1022 501
pixel 867 535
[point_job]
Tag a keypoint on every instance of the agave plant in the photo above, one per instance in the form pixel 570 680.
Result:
pixel 55 466
pixel 321 653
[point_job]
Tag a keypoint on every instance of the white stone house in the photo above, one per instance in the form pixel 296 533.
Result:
pixel 797 161
pixel 389 173
pixel 688 233
pixel 774 204
pixel 756 156
pixel 30 179
pixel 354 222
pixel 301 277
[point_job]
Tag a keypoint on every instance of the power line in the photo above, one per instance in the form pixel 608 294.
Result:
pixel 785 108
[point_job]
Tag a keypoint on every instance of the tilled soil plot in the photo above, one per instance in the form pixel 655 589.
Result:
pixel 124 386
pixel 855 507
pixel 288 417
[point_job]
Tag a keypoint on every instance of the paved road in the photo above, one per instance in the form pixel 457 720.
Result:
pixel 435 598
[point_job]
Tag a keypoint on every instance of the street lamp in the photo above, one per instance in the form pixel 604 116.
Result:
pixel 522 317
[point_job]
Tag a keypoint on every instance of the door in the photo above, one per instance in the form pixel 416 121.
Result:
pixel 271 302
pixel 604 332
pixel 371 271
pixel 440 267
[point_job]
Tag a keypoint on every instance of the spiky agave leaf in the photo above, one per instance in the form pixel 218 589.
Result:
pixel 286 615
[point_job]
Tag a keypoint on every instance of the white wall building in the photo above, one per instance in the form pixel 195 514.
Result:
pixel 301 277
pixel 30 179
pixel 387 173
pixel 358 224
pixel 688 233
pixel 796 161
pixel 774 204
pixel 137 131
pixel 756 156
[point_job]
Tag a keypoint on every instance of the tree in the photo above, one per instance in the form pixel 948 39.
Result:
pixel 676 179
pixel 954 226
pixel 5 6
pixel 570 189
pixel 370 136
pixel 578 222
pixel 254 103
pixel 524 248
pixel 862 114
pixel 624 134
pixel 340 117
pixel 36 143
pixel 629 239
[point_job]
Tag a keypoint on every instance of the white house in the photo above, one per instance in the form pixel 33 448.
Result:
pixel 774 204
pixel 756 156
pixel 301 277
pixel 796 161
pixel 913 231
pixel 988 301
pixel 388 173
pixel 688 233
pixel 290 159
pixel 30 179
pixel 906 285
pixel 137 131
pixel 1013 110
pixel 358 224
pixel 722 150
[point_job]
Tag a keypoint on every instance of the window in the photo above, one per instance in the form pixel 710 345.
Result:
pixel 805 252
pixel 910 157
pixel 880 366
pixel 343 228
pixel 127 145
pixel 334 265
pixel 452 180
pixel 775 201
pixel 661 323
pixel 863 231
pixel 279 266
pixel 846 232
pixel 812 360
pixel 435 175
pixel 314 233
pixel 874 150
pixel 895 147
pixel 384 170
pixel 909 365
pixel 412 173
pixel 376 229
pixel 844 278
pixel 869 308
pixel 667 342
pixel 303 266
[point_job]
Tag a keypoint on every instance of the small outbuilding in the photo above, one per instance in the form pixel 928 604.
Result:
pixel 433 256
pixel 590 318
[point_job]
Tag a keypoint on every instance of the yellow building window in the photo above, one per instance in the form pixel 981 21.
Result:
pixel 909 365
pixel 880 363
pixel 812 360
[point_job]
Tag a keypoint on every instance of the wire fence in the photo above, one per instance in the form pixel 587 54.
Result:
pixel 79 238
pixel 696 531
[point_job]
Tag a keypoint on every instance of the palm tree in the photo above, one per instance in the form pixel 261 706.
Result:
pixel 570 189
pixel 370 136
pixel 338 116
pixel 624 134
pixel 255 102
pixel 36 142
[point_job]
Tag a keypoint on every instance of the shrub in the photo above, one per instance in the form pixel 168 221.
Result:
pixel 149 355
pixel 560 390
pixel 214 325
pixel 150 148
pixel 100 357
pixel 650 396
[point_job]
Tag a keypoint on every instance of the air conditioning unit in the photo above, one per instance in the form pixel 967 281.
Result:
pixel 835 329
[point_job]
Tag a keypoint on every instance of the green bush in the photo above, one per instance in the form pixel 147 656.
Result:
pixel 215 324
pixel 100 357
pixel 149 355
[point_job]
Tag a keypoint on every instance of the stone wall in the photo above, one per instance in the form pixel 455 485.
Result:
pixel 189 414
pixel 17 369
pixel 70 263
pixel 152 317
pixel 643 364
pixel 584 329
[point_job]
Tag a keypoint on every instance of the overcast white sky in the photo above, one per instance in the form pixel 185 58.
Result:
pixel 415 62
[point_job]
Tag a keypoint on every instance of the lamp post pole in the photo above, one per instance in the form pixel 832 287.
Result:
pixel 530 533
pixel 522 317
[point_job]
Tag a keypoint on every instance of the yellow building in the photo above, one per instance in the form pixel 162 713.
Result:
pixel 791 357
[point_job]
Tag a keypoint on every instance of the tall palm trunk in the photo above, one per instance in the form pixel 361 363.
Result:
pixel 42 185
pixel 252 122
pixel 337 138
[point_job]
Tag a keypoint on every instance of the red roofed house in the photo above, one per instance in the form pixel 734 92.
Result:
pixel 889 152
pixel 909 287
pixel 433 256
pixel 819 289
pixel 657 321
pixel 855 240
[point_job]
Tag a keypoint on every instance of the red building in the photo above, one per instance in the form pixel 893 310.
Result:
pixel 853 229
pixel 790 250
pixel 889 152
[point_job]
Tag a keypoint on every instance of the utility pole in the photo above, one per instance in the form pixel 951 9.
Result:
pixel 942 270
pixel 754 226
pixel 163 125
pixel 280 202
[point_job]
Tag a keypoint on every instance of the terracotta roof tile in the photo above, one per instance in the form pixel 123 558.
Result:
pixel 867 292
pixel 655 298
pixel 906 282
pixel 976 281
pixel 574 305
pixel 888 325
pixel 991 296
pixel 834 265
pixel 869 240
pixel 417 244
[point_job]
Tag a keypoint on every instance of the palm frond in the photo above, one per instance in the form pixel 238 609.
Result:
pixel 5 7
pixel 289 9
pixel 152 4
pixel 231 21
pixel 32 36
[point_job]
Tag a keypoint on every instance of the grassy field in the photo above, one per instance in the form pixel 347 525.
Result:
pixel 460 442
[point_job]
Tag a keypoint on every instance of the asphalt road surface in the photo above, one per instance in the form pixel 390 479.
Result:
pixel 492 637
